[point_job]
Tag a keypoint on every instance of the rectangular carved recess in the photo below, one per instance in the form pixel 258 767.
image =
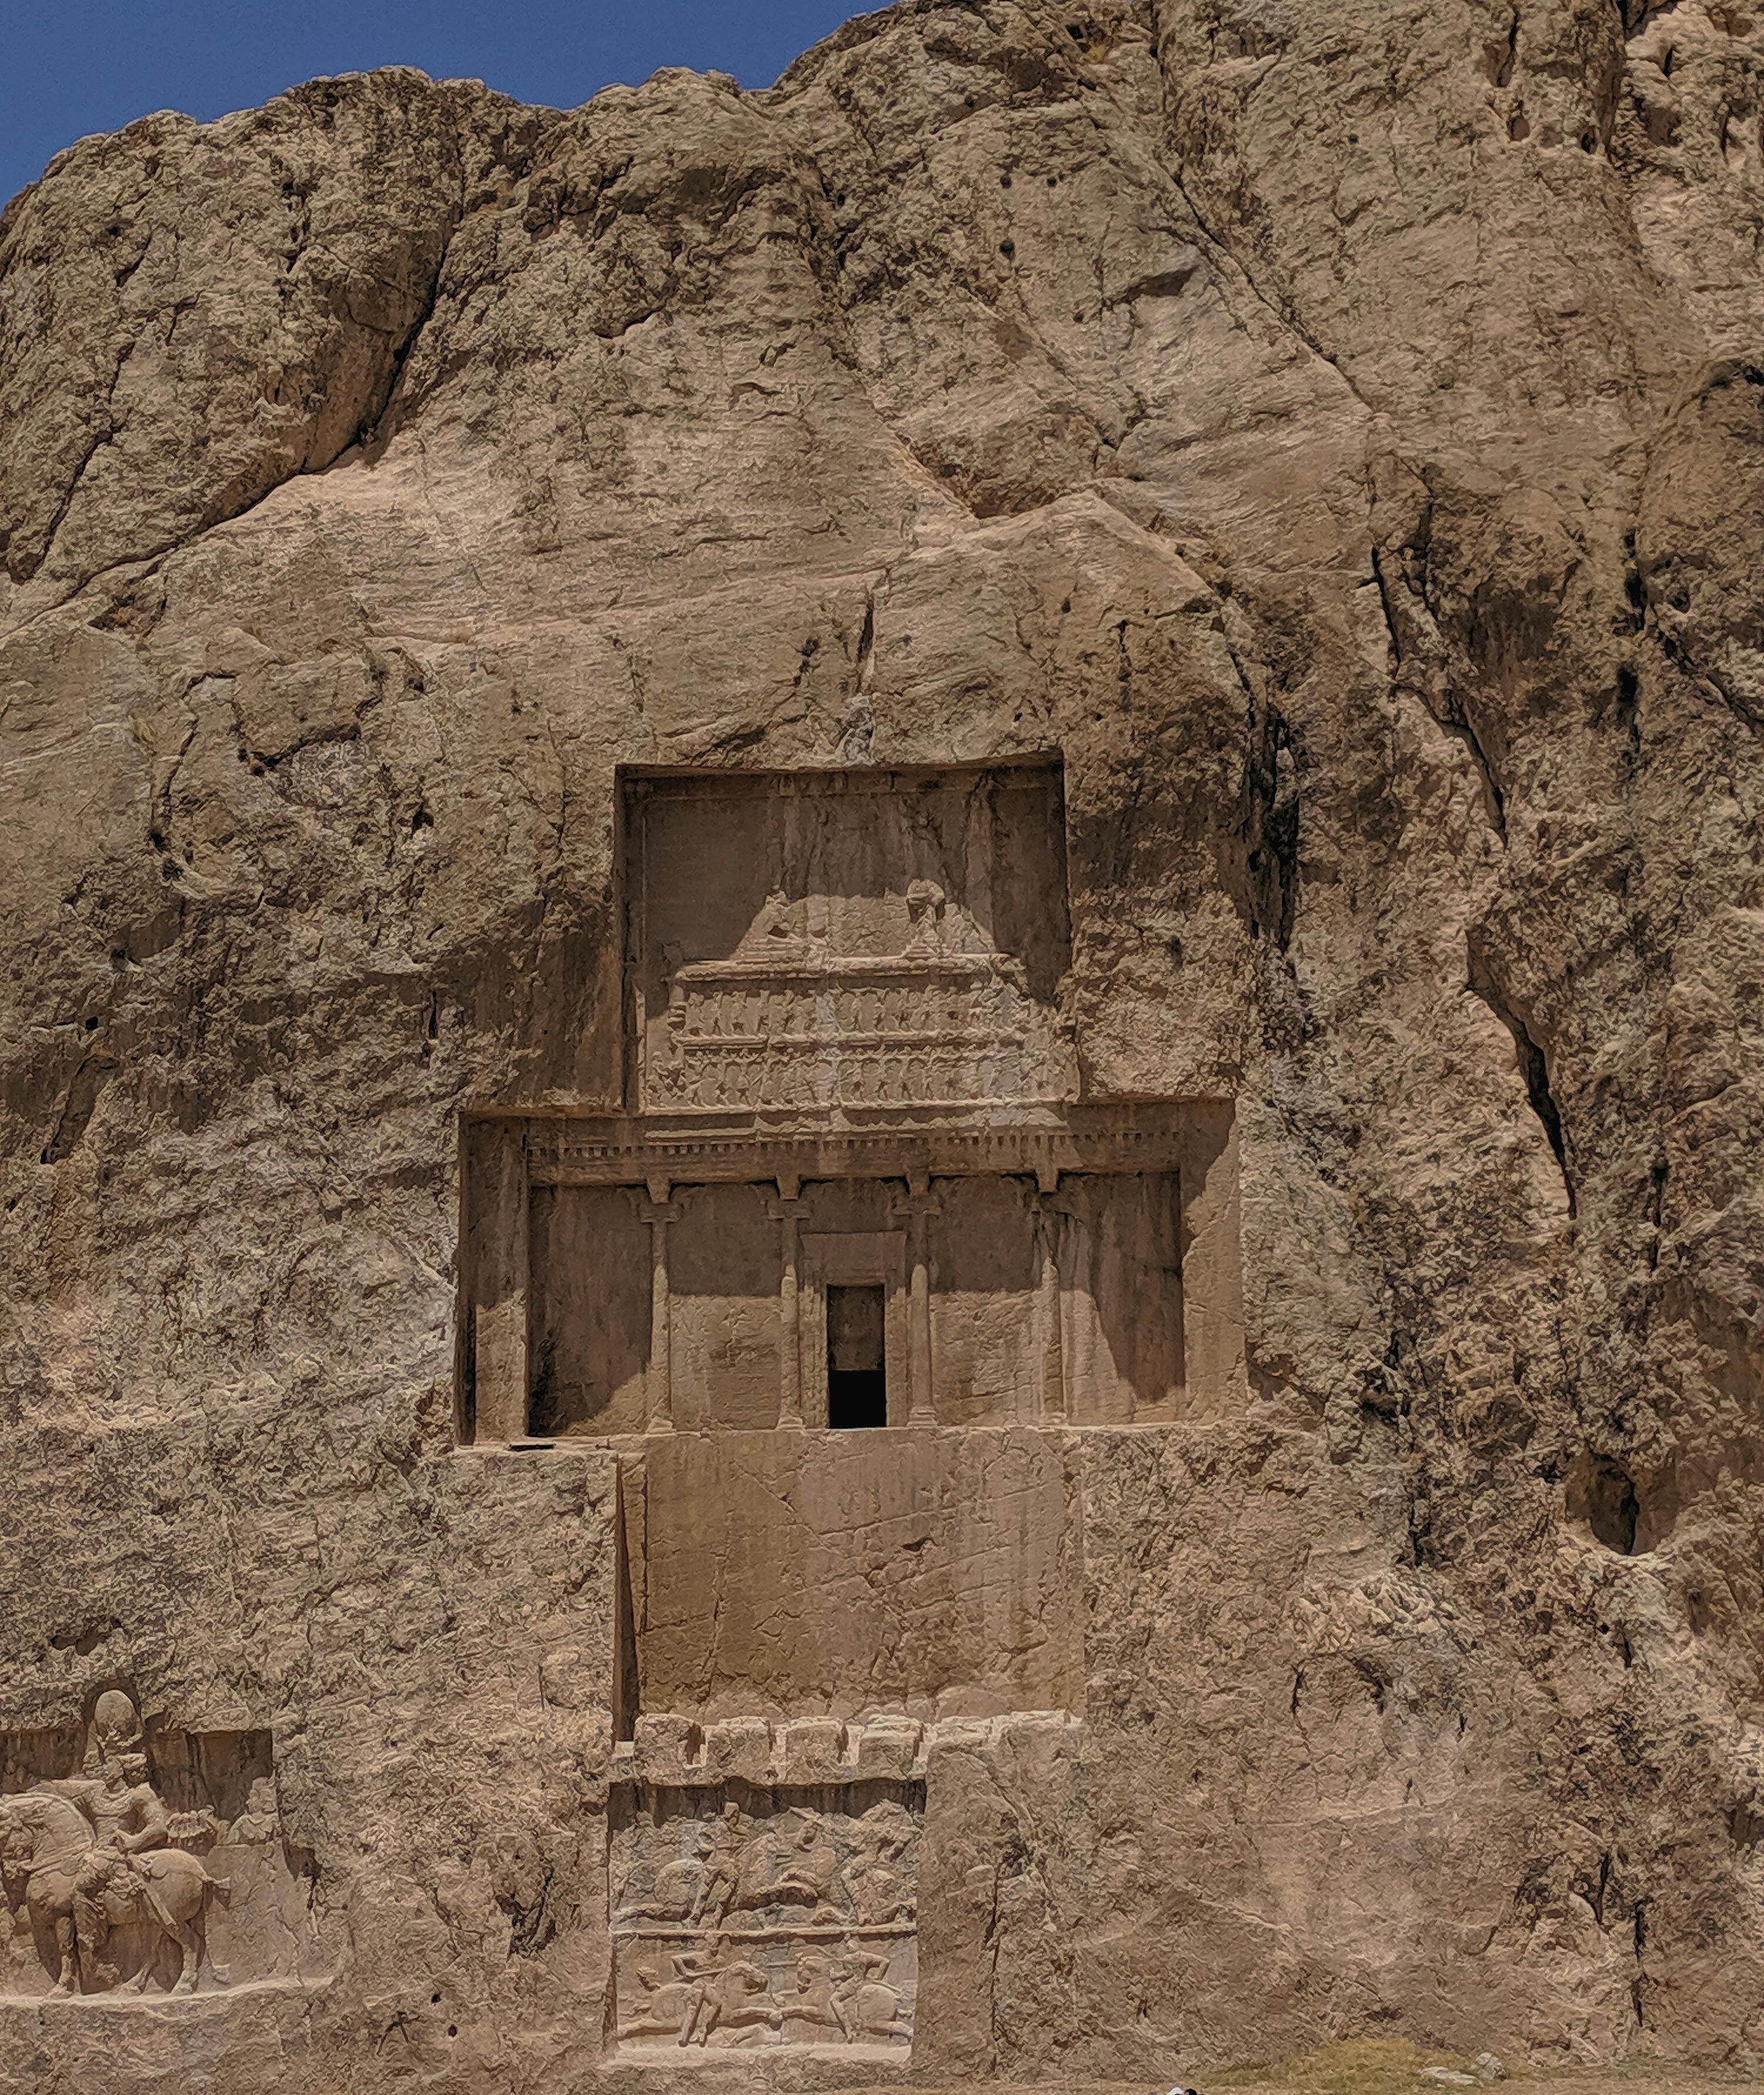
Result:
pixel 214 1899
pixel 875 945
pixel 748 1916
pixel 847 1066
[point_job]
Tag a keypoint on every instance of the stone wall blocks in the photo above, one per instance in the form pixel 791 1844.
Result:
pixel 668 1749
pixel 739 1748
pixel 673 1751
pixel 889 1746
pixel 812 1750
pixel 962 1735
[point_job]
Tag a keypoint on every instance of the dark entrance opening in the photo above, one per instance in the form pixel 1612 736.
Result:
pixel 857 1380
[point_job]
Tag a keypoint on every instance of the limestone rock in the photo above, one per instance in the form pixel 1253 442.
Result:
pixel 1334 431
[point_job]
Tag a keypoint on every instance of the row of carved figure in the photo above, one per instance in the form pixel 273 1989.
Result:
pixel 840 1992
pixel 98 1851
pixel 840 1072
pixel 811 1869
pixel 954 1012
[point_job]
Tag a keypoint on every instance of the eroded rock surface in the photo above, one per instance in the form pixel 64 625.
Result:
pixel 1337 430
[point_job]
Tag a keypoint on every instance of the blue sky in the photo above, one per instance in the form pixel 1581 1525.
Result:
pixel 69 67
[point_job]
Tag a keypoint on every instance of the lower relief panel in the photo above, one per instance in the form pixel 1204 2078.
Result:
pixel 746 1917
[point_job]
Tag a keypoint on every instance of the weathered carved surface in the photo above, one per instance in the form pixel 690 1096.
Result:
pixel 784 1917
pixel 127 1872
pixel 828 944
pixel 1336 430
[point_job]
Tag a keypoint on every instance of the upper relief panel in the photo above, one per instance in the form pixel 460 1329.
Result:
pixel 843 947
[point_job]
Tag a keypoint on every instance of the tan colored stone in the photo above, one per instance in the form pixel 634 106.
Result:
pixel 1329 430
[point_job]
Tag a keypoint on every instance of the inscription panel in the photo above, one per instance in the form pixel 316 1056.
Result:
pixel 746 1917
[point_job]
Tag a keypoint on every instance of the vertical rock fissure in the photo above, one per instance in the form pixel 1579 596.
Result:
pixel 1534 1065
pixel 78 1107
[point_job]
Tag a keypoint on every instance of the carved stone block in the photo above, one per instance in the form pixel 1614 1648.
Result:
pixel 889 1746
pixel 745 1917
pixel 811 1749
pixel 828 945
pixel 739 1748
pixel 134 1867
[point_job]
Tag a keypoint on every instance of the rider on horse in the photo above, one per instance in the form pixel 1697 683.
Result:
pixel 126 1813
pixel 129 1819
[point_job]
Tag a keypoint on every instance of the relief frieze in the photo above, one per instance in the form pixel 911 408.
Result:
pixel 752 1917
pixel 133 1869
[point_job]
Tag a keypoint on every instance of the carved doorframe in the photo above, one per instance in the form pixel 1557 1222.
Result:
pixel 854 1258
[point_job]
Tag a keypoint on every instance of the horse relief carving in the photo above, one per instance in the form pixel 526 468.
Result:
pixel 99 1851
pixel 737 1997
pixel 126 1875
pixel 766 1918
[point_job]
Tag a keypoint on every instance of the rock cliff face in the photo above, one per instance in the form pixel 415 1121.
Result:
pixel 1336 428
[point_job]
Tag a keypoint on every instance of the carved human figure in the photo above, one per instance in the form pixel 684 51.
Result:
pixel 707 1991
pixel 721 1847
pixel 668 2008
pixel 736 1996
pixel 115 1730
pixel 774 933
pixel 791 1865
pixel 261 1818
pixel 925 911
pixel 812 1999
pixel 112 1882
pixel 675 1895
pixel 863 2004
pixel 92 1852
pixel 880 1890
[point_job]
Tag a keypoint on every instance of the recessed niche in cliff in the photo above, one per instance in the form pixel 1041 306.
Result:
pixel 1625 1514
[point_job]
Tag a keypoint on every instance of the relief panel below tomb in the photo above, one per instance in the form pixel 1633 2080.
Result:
pixel 747 1916
pixel 800 1574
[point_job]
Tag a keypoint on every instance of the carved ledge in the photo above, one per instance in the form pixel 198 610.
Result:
pixel 673 1751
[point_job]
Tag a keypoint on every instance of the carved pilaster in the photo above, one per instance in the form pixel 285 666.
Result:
pixel 659 1212
pixel 914 1207
pixel 1049 1330
pixel 790 1213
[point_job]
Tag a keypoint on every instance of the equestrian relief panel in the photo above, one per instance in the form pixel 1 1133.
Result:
pixel 746 1917
pixel 135 1868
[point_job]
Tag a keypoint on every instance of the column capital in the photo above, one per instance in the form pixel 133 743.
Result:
pixel 787 1210
pixel 661 1212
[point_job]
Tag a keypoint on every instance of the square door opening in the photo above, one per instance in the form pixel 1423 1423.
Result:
pixel 857 1368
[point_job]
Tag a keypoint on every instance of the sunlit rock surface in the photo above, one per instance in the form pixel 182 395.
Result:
pixel 1335 431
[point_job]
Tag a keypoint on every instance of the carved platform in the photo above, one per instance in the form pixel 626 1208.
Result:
pixel 831 940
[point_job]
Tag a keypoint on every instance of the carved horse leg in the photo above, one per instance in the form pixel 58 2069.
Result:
pixel 68 1949
pixel 50 1902
pixel 190 1942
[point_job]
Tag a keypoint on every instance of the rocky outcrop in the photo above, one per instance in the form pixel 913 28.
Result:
pixel 1336 429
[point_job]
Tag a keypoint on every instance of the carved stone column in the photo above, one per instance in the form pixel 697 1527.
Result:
pixel 790 1213
pixel 659 1212
pixel 913 1207
pixel 1051 1333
